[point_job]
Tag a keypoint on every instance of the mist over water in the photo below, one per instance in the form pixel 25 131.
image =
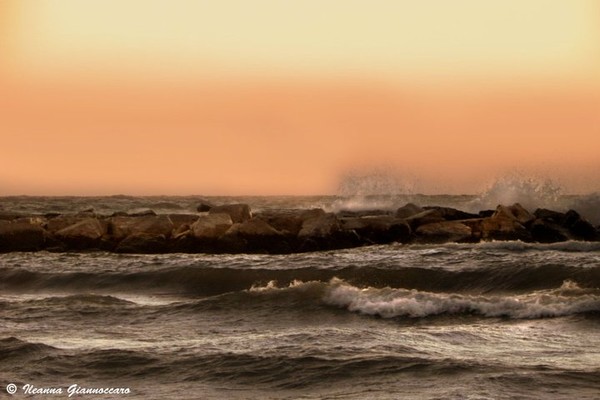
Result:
pixel 387 188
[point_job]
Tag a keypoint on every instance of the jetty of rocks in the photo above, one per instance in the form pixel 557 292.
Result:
pixel 233 228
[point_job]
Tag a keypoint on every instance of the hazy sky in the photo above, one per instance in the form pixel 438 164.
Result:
pixel 282 97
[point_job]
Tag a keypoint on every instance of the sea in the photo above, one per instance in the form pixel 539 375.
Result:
pixel 494 320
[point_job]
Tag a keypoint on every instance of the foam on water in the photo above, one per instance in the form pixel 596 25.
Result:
pixel 389 303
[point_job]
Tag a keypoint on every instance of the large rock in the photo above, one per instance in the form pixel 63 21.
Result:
pixel 288 222
pixel 504 225
pixel 579 227
pixel 547 231
pixel 143 243
pixel 452 214
pixel 408 210
pixel 381 229
pixel 211 226
pixel 182 220
pixel 122 227
pixel 59 222
pixel 444 232
pixel 515 212
pixel 237 212
pixel 84 234
pixel 21 236
pixel 254 236
pixel 319 226
pixel 423 218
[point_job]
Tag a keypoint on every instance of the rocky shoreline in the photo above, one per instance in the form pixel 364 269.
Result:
pixel 232 228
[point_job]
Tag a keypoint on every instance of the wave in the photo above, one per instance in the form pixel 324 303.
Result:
pixel 496 275
pixel 270 368
pixel 306 297
pixel 12 348
pixel 569 299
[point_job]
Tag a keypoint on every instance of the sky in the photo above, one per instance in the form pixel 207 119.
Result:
pixel 237 97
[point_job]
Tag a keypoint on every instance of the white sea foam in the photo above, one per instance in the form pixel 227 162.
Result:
pixel 389 303
pixel 394 302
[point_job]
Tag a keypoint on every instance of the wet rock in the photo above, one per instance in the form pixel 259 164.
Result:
pixel 143 213
pixel 83 235
pixel 289 222
pixel 254 236
pixel 516 212
pixel 237 212
pixel 549 215
pixel 182 219
pixel 408 210
pixel 452 214
pixel 362 213
pixel 503 225
pixel 425 217
pixel 63 221
pixel 444 232
pixel 204 206
pixel 381 229
pixel 143 243
pixel 121 227
pixel 320 225
pixel 579 227
pixel 547 231
pixel 21 236
pixel 211 226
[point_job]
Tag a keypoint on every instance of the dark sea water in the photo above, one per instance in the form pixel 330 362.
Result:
pixel 500 320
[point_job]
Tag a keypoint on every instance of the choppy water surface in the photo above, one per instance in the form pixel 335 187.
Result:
pixel 497 320
pixel 504 320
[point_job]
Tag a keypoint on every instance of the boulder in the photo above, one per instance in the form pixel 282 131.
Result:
pixel 504 225
pixel 288 222
pixel 143 213
pixel 204 206
pixel 408 210
pixel 182 219
pixel 382 229
pixel 143 243
pixel 444 232
pixel 515 212
pixel 211 226
pixel 547 231
pixel 121 227
pixel 425 217
pixel 84 234
pixel 254 236
pixel 237 212
pixel 452 214
pixel 21 236
pixel 549 215
pixel 362 213
pixel 579 227
pixel 63 221
pixel 320 225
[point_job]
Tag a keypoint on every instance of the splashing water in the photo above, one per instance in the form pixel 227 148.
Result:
pixel 530 192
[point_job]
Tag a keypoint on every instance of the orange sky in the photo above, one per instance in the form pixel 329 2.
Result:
pixel 133 97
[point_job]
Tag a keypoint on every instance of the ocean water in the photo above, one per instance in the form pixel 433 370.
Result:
pixel 499 320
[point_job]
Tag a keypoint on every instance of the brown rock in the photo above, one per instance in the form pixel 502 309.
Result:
pixel 408 210
pixel 237 212
pixel 211 226
pixel 21 236
pixel 143 243
pixel 254 236
pixel 121 227
pixel 444 232
pixel 82 235
pixel 381 229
